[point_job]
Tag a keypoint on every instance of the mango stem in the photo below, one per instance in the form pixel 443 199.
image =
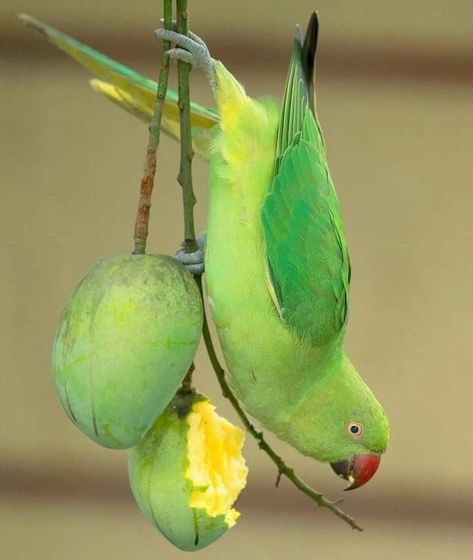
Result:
pixel 147 181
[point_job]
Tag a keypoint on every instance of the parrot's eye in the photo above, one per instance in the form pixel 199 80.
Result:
pixel 354 429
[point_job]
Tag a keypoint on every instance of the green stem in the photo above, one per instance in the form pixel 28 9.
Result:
pixel 147 181
pixel 185 171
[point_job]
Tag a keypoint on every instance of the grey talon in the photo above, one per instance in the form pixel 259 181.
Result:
pixel 190 258
pixel 193 36
pixel 181 54
pixel 197 39
pixel 194 262
pixel 201 240
pixel 192 50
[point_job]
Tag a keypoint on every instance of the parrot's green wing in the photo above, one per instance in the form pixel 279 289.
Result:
pixel 308 263
pixel 131 90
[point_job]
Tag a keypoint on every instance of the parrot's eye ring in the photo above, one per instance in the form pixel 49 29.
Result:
pixel 354 429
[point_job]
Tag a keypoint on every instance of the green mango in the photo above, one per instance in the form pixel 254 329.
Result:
pixel 187 472
pixel 125 342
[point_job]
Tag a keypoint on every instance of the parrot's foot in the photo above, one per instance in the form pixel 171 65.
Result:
pixel 194 262
pixel 192 50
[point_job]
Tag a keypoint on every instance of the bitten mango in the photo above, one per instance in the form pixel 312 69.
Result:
pixel 125 341
pixel 187 472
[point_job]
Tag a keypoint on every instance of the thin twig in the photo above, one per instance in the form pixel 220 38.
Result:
pixel 185 179
pixel 186 385
pixel 185 170
pixel 147 182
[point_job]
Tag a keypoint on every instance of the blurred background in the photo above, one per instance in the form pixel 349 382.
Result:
pixel 395 101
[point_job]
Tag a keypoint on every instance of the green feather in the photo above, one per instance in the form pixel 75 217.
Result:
pixel 303 229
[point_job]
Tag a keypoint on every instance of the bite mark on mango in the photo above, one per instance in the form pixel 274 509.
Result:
pixel 217 469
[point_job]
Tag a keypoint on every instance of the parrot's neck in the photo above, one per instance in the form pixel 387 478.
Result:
pixel 338 392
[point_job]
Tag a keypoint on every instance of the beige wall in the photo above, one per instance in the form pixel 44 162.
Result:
pixel 400 152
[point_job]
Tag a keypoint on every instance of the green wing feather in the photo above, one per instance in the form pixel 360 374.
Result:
pixel 129 89
pixel 306 249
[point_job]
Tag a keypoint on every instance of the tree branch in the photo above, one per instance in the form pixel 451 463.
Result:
pixel 147 182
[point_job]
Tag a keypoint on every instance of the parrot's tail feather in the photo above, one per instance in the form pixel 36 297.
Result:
pixel 130 90
pixel 201 125
pixel 309 49
pixel 123 99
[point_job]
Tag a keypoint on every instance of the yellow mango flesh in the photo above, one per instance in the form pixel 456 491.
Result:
pixel 216 470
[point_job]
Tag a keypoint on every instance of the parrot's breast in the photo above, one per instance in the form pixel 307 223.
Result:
pixel 267 366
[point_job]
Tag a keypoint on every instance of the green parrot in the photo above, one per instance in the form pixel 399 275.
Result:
pixel 277 267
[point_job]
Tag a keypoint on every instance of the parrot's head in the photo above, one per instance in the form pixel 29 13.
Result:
pixel 341 422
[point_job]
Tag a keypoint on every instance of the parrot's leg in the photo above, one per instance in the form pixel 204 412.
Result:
pixel 192 50
pixel 194 262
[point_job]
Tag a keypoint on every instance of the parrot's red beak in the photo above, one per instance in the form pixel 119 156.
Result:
pixel 357 469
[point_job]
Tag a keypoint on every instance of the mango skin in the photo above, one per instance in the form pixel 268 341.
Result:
pixel 125 341
pixel 157 467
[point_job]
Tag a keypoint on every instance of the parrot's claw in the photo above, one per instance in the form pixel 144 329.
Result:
pixel 181 54
pixel 193 36
pixel 194 262
pixel 192 50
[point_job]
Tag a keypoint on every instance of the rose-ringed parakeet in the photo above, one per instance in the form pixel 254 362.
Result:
pixel 278 270
pixel 276 264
